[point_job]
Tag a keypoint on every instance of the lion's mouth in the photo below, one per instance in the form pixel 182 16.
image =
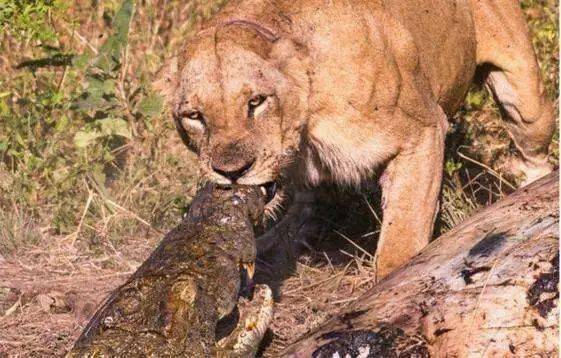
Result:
pixel 269 190
pixel 247 271
pixel 274 198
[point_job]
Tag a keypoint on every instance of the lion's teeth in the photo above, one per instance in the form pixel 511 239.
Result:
pixel 263 190
pixel 250 269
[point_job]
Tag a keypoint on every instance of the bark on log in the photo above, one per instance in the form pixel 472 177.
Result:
pixel 172 303
pixel 487 288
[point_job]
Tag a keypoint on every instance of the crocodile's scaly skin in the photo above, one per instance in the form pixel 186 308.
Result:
pixel 171 305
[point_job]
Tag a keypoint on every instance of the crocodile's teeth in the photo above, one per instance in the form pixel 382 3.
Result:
pixel 250 269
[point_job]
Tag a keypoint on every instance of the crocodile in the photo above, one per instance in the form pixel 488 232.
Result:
pixel 172 304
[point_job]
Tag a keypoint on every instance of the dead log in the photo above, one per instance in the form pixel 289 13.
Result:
pixel 488 288
pixel 172 303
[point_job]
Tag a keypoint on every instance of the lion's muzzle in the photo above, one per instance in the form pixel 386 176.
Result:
pixel 233 160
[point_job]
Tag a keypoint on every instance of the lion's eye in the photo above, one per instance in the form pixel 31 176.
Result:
pixel 191 119
pixel 194 115
pixel 255 102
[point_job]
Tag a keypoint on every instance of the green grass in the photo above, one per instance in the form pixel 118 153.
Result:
pixel 83 142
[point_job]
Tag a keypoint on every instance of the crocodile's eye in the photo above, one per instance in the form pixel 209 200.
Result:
pixel 255 102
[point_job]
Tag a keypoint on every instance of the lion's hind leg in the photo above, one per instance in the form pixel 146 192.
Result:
pixel 506 54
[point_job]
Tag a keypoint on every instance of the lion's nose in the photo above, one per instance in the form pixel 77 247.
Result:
pixel 233 173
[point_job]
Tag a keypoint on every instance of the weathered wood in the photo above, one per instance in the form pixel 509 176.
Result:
pixel 172 303
pixel 488 288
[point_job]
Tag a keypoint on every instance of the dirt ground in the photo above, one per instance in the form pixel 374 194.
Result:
pixel 49 293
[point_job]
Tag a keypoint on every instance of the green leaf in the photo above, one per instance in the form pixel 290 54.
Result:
pixel 151 106
pixel 96 87
pixel 115 127
pixel 123 20
pixel 62 123
pixel 450 167
pixel 109 87
pixel 4 108
pixel 475 100
pixel 81 61
pixel 99 177
pixel 84 138
pixel 109 57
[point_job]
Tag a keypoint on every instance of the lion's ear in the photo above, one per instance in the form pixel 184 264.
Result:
pixel 290 56
pixel 167 80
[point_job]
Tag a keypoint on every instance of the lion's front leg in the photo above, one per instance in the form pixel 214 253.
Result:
pixel 410 188
pixel 281 244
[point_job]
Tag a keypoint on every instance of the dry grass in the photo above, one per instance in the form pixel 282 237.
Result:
pixel 317 291
pixel 51 280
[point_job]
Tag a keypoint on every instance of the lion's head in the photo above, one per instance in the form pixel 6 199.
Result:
pixel 238 99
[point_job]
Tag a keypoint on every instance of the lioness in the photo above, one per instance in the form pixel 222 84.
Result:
pixel 321 91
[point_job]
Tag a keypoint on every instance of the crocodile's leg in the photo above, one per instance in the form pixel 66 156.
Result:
pixel 255 317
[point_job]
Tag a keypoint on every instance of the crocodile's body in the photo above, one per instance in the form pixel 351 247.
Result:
pixel 171 305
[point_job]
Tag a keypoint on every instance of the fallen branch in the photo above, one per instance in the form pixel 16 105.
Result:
pixel 487 288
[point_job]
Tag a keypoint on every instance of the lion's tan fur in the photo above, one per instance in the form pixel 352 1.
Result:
pixel 356 87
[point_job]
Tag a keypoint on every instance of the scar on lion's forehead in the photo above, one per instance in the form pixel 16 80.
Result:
pixel 190 100
pixel 199 71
